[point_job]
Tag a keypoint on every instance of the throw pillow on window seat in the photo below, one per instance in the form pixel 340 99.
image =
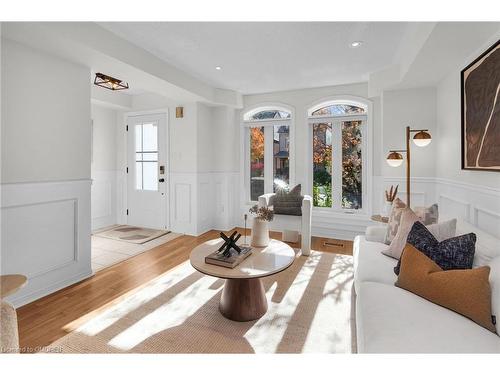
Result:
pixel 288 202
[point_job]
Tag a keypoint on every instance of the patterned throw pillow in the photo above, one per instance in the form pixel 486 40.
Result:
pixel 427 215
pixel 288 203
pixel 453 253
pixel 408 218
pixel 394 220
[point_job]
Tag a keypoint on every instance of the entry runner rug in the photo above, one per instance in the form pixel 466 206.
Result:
pixel 131 234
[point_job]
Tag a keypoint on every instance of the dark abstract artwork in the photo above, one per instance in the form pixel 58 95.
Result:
pixel 481 112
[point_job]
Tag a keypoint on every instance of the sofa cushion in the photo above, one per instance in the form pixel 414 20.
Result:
pixel 487 246
pixel 453 253
pixel 393 320
pixel 444 229
pixel 370 264
pixel 466 292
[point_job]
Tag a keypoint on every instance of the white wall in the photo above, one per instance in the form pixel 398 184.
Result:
pixel 45 117
pixel 415 108
pixel 46 142
pixel 104 166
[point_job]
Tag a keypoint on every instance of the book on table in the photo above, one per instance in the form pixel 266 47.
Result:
pixel 219 259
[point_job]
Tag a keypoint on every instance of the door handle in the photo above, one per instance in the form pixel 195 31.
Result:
pixel 161 180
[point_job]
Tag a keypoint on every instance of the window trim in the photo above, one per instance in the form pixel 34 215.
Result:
pixel 268 125
pixel 367 149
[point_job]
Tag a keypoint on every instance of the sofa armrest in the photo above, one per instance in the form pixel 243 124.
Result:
pixel 265 199
pixel 375 233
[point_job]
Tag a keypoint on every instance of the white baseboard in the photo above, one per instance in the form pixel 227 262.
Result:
pixel 19 300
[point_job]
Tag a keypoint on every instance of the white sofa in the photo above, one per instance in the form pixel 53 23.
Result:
pixel 301 224
pixel 392 320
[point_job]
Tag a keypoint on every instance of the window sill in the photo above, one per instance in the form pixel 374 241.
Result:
pixel 329 213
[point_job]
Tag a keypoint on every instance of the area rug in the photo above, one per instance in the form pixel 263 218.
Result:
pixel 131 234
pixel 310 310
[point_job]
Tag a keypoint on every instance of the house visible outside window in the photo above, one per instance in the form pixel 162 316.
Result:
pixel 337 155
pixel 268 157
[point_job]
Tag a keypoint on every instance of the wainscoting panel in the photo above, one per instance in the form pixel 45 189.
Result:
pixel 103 199
pixel 476 204
pixel 183 203
pixel 206 203
pixel 225 192
pixel 487 220
pixel 453 207
pixel 45 235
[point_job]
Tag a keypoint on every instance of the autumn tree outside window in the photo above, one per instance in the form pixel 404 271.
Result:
pixel 268 142
pixel 337 155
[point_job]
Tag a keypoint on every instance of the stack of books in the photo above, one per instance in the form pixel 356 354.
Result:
pixel 220 259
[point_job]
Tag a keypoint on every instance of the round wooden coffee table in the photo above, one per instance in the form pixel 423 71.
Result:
pixel 243 297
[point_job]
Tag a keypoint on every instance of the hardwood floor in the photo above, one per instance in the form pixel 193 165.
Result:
pixel 47 319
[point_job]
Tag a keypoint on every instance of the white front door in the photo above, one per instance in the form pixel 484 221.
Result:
pixel 147 176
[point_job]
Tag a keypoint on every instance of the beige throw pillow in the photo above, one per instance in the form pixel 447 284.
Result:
pixel 427 215
pixel 398 243
pixel 442 231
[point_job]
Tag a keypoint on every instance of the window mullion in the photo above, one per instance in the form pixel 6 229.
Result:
pixel 337 165
pixel 268 159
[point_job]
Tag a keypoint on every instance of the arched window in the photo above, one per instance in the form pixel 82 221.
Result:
pixel 338 161
pixel 267 143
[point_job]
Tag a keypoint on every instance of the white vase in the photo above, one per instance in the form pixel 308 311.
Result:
pixel 260 233
pixel 387 208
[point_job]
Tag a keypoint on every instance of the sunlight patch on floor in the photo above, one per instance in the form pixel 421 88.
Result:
pixel 104 320
pixel 279 314
pixel 171 314
pixel 333 311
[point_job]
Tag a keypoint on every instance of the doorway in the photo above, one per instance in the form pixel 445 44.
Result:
pixel 147 185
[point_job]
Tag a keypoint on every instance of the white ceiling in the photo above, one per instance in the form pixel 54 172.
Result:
pixel 264 57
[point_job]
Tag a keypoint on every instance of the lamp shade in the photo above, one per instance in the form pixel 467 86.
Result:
pixel 394 159
pixel 422 138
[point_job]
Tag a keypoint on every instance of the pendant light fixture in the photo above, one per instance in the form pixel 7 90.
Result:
pixel 109 83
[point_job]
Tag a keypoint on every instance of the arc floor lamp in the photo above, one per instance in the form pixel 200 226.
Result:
pixel 395 158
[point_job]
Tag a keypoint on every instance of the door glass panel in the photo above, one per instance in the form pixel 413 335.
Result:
pixel 281 157
pixel 150 156
pixel 150 137
pixel 256 163
pixel 150 175
pixel 146 156
pixel 138 176
pixel 351 165
pixel 322 165
pixel 138 138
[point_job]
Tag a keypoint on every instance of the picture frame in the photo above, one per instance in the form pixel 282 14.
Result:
pixel 480 131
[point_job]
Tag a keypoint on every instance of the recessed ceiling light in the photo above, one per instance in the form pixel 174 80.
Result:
pixel 218 68
pixel 356 44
